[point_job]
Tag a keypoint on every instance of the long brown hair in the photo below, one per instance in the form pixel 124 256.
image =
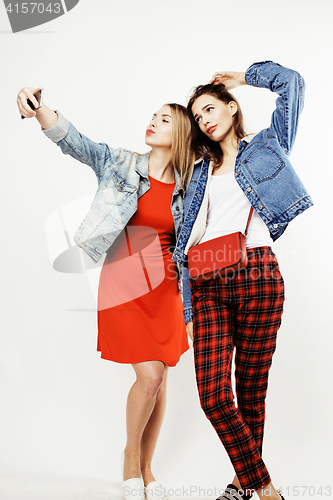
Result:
pixel 182 155
pixel 203 146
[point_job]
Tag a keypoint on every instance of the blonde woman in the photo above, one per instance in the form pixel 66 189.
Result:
pixel 135 218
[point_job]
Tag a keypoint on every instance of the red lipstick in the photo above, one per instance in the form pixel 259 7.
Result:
pixel 210 130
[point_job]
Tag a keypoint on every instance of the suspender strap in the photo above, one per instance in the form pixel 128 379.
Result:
pixel 248 222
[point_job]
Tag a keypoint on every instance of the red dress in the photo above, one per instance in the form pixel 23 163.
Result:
pixel 140 311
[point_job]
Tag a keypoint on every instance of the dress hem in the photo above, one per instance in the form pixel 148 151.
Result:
pixel 141 360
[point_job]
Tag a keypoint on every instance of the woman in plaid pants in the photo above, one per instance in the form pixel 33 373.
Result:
pixel 240 312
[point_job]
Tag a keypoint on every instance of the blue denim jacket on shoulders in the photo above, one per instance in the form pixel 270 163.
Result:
pixel 122 178
pixel 262 167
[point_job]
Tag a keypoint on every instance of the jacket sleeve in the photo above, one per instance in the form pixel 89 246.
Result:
pixel 187 304
pixel 290 87
pixel 72 142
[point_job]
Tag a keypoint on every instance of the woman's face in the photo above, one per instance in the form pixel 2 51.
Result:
pixel 214 117
pixel 159 130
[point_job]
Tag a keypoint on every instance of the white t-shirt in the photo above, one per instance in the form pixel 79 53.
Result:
pixel 228 211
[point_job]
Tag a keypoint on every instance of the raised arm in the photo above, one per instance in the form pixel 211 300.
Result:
pixel 57 128
pixel 288 84
pixel 290 87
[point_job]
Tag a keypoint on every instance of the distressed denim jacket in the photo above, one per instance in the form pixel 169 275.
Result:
pixel 122 178
pixel 262 169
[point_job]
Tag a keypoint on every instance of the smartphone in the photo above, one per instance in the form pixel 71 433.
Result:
pixel 39 97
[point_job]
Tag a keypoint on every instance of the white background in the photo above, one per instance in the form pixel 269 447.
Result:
pixel 108 65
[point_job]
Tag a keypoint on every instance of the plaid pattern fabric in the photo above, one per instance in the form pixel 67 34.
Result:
pixel 242 312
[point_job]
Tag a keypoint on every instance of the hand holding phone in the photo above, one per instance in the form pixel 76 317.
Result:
pixel 23 100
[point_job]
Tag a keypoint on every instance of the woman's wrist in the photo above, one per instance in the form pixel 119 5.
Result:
pixel 46 117
pixel 241 78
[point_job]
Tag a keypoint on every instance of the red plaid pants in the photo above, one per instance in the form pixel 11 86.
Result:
pixel 241 311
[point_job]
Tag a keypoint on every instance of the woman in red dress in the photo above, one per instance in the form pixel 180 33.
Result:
pixel 140 316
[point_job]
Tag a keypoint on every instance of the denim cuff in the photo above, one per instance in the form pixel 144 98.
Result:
pixel 59 130
pixel 187 315
pixel 251 73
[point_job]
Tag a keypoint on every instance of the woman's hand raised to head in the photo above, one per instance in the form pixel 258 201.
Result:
pixel 46 117
pixel 231 79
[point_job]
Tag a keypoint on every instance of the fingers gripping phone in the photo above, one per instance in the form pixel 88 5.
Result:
pixel 39 97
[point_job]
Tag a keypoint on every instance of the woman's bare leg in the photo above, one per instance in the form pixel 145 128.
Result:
pixel 151 432
pixel 140 404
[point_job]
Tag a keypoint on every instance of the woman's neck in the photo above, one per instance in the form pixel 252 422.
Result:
pixel 160 166
pixel 229 144
pixel 229 147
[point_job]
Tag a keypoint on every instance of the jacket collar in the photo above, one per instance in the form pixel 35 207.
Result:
pixel 142 169
pixel 142 164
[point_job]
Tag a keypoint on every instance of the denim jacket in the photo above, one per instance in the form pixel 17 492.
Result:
pixel 262 169
pixel 122 178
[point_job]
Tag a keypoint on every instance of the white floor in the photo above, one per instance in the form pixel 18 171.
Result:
pixel 40 487
pixel 33 487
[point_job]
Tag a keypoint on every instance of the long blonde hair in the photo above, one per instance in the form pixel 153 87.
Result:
pixel 182 154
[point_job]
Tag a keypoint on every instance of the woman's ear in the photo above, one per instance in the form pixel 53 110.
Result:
pixel 233 107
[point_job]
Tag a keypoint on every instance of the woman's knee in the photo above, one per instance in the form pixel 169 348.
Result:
pixel 161 394
pixel 215 408
pixel 151 379
pixel 254 407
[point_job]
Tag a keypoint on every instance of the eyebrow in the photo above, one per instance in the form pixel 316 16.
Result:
pixel 202 109
pixel 162 115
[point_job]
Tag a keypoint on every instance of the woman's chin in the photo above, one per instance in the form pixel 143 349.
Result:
pixel 218 137
pixel 213 137
pixel 149 141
